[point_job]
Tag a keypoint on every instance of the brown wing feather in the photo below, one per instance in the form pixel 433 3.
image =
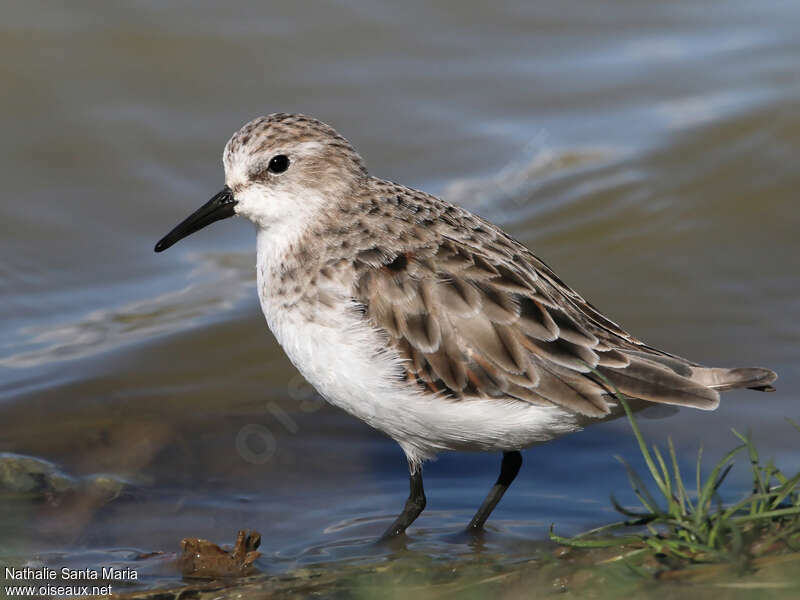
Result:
pixel 475 314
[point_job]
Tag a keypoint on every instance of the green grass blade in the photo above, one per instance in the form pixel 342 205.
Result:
pixel 758 483
pixel 781 493
pixel 697 475
pixel 642 445
pixel 721 478
pixel 683 496
pixel 602 543
pixel 672 505
pixel 702 529
pixel 710 486
pixel 769 514
pixel 636 431
pixel 612 527
pixel 731 510
pixel 627 512
pixel 640 489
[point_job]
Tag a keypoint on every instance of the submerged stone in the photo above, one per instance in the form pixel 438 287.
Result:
pixel 27 474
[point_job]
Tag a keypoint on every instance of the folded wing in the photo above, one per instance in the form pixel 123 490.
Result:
pixel 492 320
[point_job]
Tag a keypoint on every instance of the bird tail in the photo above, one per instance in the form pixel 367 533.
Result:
pixel 668 379
pixel 754 378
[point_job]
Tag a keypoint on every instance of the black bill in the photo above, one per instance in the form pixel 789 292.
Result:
pixel 219 207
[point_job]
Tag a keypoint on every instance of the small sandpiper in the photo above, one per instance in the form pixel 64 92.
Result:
pixel 425 321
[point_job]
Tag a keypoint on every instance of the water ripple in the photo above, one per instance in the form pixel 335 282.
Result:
pixel 216 283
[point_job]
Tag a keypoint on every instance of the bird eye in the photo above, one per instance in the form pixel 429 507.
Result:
pixel 278 163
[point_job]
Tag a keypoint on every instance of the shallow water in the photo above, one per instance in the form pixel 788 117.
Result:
pixel 647 153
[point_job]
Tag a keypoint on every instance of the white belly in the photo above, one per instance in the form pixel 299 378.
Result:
pixel 342 359
pixel 347 362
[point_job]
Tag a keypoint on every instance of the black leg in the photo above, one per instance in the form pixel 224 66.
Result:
pixel 509 468
pixel 414 505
